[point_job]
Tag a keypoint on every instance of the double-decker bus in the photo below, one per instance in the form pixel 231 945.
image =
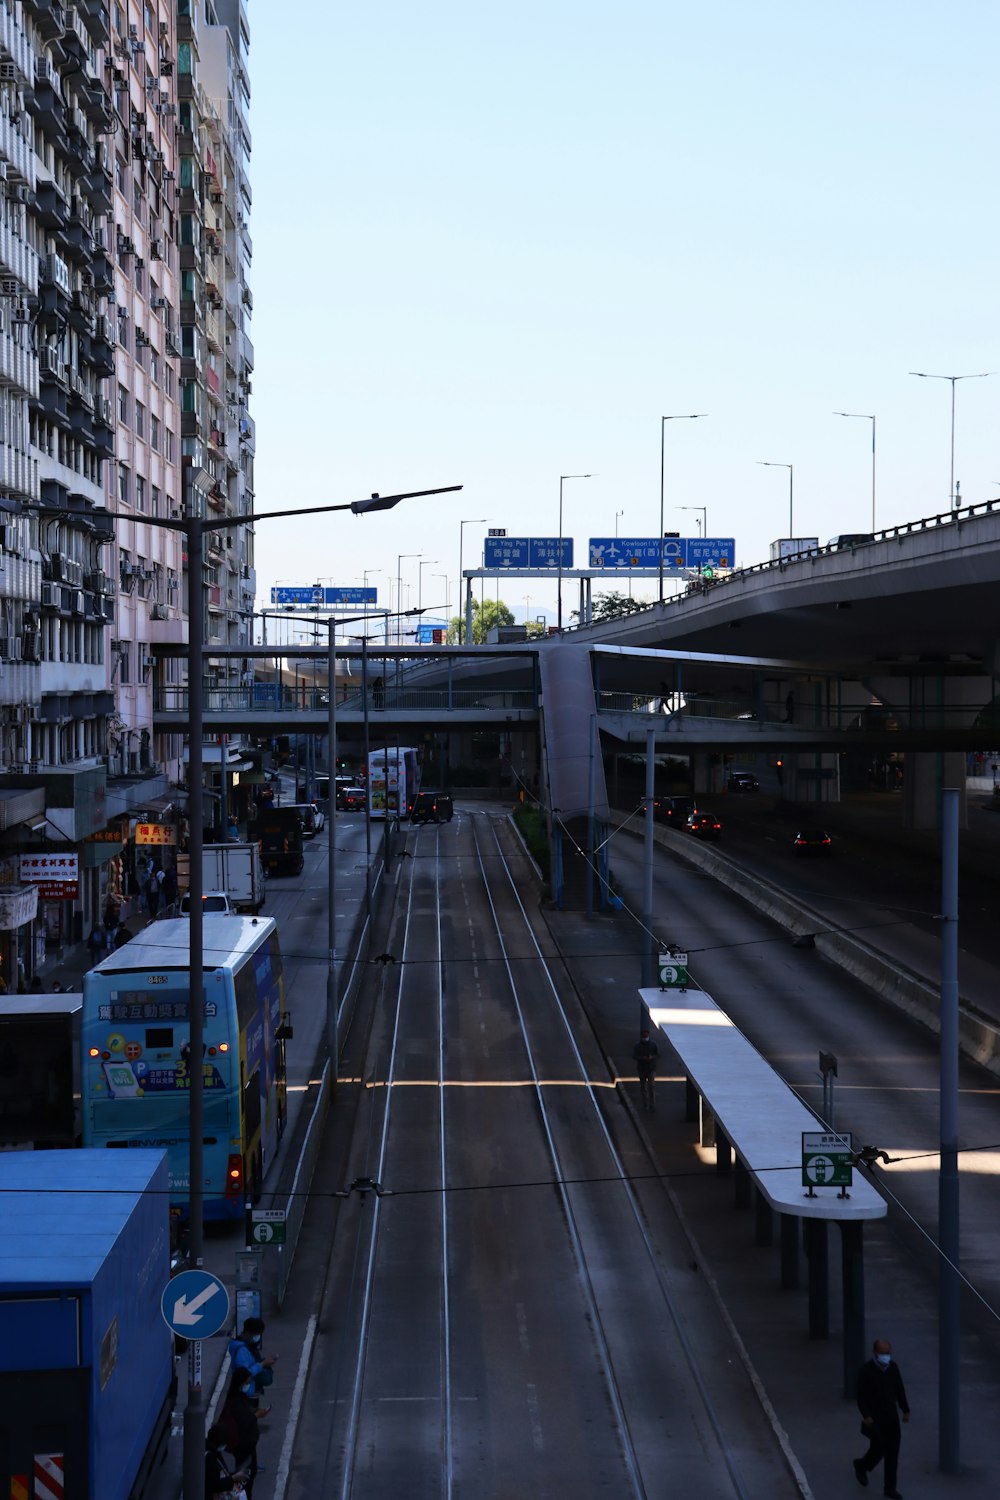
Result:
pixel 136 1054
pixel 393 781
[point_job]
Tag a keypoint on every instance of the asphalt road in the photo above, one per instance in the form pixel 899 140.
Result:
pixel 511 1317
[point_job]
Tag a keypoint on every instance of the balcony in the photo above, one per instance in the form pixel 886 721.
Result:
pixel 51 206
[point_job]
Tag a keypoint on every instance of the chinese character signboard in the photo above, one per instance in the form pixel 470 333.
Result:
pixel 155 833
pixel 56 875
pixel 678 552
pixel 527 552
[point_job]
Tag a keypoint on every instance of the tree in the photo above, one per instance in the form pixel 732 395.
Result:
pixel 613 606
pixel 484 617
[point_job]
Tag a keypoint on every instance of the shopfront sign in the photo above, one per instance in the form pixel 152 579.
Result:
pixel 155 833
pixel 56 875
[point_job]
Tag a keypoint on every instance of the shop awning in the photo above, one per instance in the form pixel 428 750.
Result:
pixel 18 904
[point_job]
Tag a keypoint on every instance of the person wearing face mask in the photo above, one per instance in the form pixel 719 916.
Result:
pixel 881 1398
pixel 245 1354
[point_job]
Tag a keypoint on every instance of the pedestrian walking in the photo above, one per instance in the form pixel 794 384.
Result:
pixel 97 944
pixel 168 888
pixel 153 895
pixel 881 1398
pixel 645 1052
pixel 239 1421
pixel 220 1479
pixel 378 692
pixel 245 1354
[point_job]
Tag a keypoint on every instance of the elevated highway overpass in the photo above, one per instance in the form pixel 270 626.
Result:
pixel 892 645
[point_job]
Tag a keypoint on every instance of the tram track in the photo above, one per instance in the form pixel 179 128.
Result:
pixel 517 1305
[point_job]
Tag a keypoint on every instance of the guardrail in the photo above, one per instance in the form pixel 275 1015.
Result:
pixel 168 699
pixel 844 719
pixel 298 1195
pixel 704 586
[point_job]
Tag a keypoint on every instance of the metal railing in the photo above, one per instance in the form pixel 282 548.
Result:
pixel 843 718
pixel 265 698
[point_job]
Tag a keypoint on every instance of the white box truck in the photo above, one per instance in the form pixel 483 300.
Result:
pixel 236 869
pixel 788 547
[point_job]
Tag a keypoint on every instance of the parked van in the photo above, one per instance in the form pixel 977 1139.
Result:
pixel 307 817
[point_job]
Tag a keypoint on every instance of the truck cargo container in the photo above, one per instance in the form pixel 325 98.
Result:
pixel 788 547
pixel 40 1070
pixel 86 1360
pixel 237 869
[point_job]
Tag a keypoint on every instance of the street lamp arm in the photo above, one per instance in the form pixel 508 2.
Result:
pixel 219 523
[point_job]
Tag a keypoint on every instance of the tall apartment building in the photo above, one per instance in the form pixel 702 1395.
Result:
pixel 144 481
pixel 217 431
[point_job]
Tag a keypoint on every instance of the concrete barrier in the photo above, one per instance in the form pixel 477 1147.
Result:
pixel 979 1036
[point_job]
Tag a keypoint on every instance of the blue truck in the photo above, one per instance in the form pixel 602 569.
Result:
pixel 87 1377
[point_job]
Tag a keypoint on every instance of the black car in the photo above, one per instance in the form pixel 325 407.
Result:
pixel 812 841
pixel 743 781
pixel 704 825
pixel 432 807
pixel 674 811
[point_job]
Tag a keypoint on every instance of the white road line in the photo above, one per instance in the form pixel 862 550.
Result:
pixel 295 1411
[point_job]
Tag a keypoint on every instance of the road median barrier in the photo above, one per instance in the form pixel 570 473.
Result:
pixel 979 1036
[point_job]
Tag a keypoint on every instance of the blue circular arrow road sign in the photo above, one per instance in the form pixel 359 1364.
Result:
pixel 195 1304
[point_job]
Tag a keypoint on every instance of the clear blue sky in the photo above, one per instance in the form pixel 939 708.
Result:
pixel 495 244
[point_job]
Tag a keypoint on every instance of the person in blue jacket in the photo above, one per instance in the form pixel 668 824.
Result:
pixel 245 1354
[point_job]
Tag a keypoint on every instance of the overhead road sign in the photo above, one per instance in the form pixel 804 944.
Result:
pixel 195 1304
pixel 527 552
pixel 317 596
pixel 623 553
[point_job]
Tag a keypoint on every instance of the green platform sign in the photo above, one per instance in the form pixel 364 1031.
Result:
pixel 673 971
pixel 827 1160
pixel 268 1226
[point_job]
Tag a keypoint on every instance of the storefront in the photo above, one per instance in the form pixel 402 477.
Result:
pixel 56 878
pixel 18 910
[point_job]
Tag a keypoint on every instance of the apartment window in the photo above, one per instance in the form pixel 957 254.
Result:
pixel 137 274
pixel 157 498
pixel 140 351
pixel 148 16
pixel 124 484
pixel 169 381
pixel 140 492
pixel 120 173
pixel 140 420
pixel 168 445
pixel 119 19
pixel 154 432
pixel 154 365
pixel 122 404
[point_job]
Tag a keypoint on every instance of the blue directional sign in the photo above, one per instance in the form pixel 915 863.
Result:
pixel 711 552
pixel 622 553
pixel 312 593
pixel 316 595
pixel 195 1304
pixel 637 552
pixel 527 552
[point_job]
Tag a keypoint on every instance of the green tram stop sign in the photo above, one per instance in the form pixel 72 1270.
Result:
pixel 827 1160
pixel 673 971
pixel 268 1226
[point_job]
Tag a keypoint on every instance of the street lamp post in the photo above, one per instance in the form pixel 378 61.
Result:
pixel 460 601
pixel 193 527
pixel 444 579
pixel 399 592
pixel 364 584
pixel 425 563
pixel 981 375
pixel 562 480
pixel 682 417
pixel 704 515
pixel 865 417
pixel 791 490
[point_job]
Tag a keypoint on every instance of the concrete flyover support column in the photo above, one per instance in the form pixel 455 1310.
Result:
pixel 853 1277
pixel 811 776
pixel 925 774
pixel 789 1251
pixel 819 1279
